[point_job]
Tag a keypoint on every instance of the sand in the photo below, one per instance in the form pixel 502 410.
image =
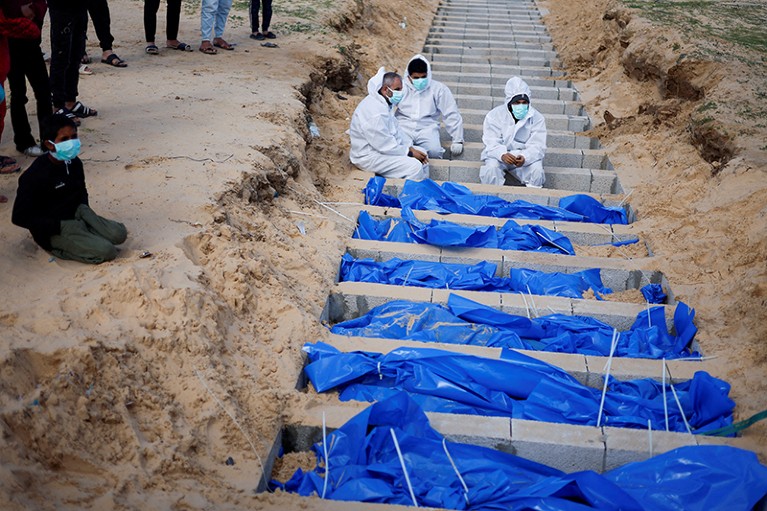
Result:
pixel 128 385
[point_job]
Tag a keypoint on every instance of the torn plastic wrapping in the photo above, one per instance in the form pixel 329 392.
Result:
pixel 464 321
pixel 476 277
pixel 515 386
pixel 452 197
pixel 511 236
pixel 363 465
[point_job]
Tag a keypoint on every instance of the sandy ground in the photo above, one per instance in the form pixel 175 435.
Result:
pixel 128 385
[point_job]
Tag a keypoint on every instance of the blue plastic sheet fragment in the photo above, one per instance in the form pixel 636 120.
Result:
pixel 475 277
pixel 363 466
pixel 516 386
pixel 464 321
pixel 512 236
pixel 653 293
pixel 452 197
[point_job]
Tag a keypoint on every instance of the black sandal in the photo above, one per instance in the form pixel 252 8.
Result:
pixel 83 111
pixel 66 112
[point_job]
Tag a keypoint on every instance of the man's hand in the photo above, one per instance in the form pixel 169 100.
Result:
pixel 456 148
pixel 27 12
pixel 510 159
pixel 420 156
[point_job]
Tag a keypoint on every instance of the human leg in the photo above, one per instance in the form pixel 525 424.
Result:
pixel 112 231
pixel 492 172
pixel 530 175
pixel 400 167
pixel 267 16
pixel 150 19
pixel 99 12
pixel 428 138
pixel 255 6
pixel 78 243
pixel 222 13
pixel 207 19
pixel 172 18
pixel 62 22
pixel 17 84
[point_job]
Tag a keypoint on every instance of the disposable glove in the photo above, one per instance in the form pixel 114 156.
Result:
pixel 456 148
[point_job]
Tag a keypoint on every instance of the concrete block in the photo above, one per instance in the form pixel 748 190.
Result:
pixel 578 123
pixel 563 158
pixel 622 368
pixel 454 255
pixel 471 152
pixel 353 299
pixel 474 102
pixel 560 139
pixel 619 315
pixel 472 133
pixel 630 445
pixel 464 174
pixel 375 345
pixel 582 233
pixel 567 178
pixel 521 304
pixel 565 447
pixel 439 171
pixel 573 108
pixel 594 159
pixel 491 432
pixel 488 298
pixel 409 251
pixel 603 181
pixel 587 143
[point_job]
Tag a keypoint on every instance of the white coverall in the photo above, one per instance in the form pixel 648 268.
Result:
pixel 419 113
pixel 377 143
pixel 526 137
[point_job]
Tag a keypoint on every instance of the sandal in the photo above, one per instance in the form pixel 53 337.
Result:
pixel 83 111
pixel 220 43
pixel 68 114
pixel 270 35
pixel 208 49
pixel 85 70
pixel 152 49
pixel 258 36
pixel 8 165
pixel 181 47
pixel 114 60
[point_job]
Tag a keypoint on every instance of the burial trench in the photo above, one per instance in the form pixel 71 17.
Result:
pixel 474 47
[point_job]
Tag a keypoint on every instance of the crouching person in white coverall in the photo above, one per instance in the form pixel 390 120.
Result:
pixel 425 102
pixel 377 142
pixel 514 135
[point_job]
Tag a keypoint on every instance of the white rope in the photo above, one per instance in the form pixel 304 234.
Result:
pixel 527 307
pixel 306 214
pixel 625 198
pixel 380 374
pixel 455 468
pixel 334 211
pixel 532 300
pixel 649 435
pixel 649 321
pixel 407 277
pixel 247 437
pixel 681 410
pixel 613 345
pixel 325 452
pixel 665 405
pixel 404 469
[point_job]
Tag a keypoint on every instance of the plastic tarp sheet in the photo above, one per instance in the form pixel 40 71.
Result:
pixel 464 321
pixel 516 386
pixel 653 293
pixel 511 236
pixel 475 277
pixel 455 198
pixel 363 465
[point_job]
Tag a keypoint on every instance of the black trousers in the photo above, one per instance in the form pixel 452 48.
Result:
pixel 67 47
pixel 171 19
pixel 27 63
pixel 255 5
pixel 102 22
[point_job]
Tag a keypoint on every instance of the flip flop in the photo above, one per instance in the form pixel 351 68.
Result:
pixel 85 70
pixel 83 111
pixel 270 35
pixel 181 47
pixel 8 165
pixel 114 60
pixel 208 50
pixel 224 46
pixel 257 36
pixel 270 45
pixel 152 49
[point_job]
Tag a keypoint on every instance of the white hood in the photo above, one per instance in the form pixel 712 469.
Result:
pixel 407 71
pixel 376 82
pixel 516 86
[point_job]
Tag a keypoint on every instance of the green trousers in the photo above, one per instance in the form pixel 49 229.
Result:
pixel 89 238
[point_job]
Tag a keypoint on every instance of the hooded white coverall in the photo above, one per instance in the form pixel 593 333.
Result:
pixel 377 143
pixel 419 112
pixel 526 137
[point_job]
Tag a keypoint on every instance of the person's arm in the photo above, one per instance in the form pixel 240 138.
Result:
pixel 27 207
pixel 18 28
pixel 448 107
pixel 492 136
pixel 535 147
pixel 382 141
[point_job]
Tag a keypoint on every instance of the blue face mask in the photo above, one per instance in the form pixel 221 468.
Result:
pixel 520 110
pixel 420 83
pixel 396 96
pixel 66 150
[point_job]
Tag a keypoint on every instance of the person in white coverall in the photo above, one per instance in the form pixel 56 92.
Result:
pixel 424 102
pixel 514 135
pixel 377 142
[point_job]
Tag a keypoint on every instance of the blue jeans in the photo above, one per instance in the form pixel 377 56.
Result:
pixel 213 18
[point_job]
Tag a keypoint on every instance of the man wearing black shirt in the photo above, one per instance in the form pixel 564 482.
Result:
pixel 52 201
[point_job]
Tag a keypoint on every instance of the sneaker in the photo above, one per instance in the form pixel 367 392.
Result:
pixel 34 151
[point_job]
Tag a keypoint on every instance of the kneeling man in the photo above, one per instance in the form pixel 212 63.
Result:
pixel 514 135
pixel 377 143
pixel 52 201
